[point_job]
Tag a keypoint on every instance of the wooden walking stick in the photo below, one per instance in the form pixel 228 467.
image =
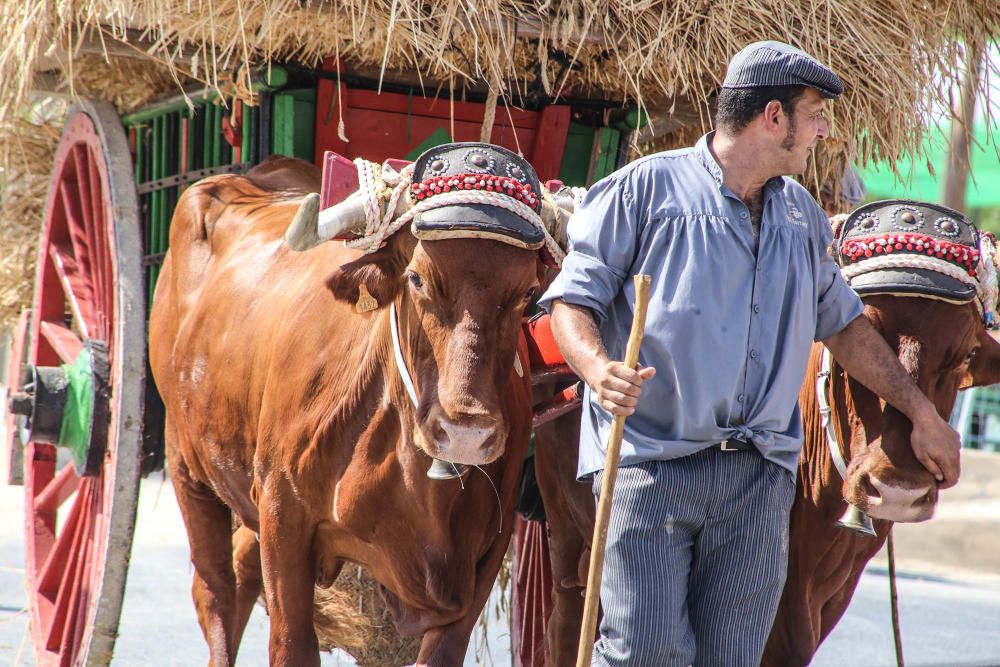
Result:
pixel 594 574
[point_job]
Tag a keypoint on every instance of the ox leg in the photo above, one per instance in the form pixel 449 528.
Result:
pixel 289 570
pixel 563 632
pixel 249 582
pixel 570 510
pixel 209 526
pixel 446 646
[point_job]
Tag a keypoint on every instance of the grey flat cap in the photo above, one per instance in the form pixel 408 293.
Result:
pixel 778 64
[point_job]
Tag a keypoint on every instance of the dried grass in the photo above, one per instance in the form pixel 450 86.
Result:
pixel 896 57
pixel 352 615
pixel 24 169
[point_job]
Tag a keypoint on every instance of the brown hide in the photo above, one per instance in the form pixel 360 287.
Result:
pixel 934 340
pixel 284 405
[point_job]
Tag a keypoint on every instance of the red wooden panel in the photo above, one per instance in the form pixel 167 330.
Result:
pixel 380 135
pixel 439 107
pixel 550 141
pixel 327 117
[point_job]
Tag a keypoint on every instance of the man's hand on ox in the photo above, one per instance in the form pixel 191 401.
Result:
pixel 936 445
pixel 867 357
pixel 618 387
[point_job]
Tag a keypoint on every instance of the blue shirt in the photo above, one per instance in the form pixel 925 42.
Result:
pixel 728 331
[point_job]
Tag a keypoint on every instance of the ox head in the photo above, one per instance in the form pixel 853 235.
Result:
pixel 922 296
pixel 456 283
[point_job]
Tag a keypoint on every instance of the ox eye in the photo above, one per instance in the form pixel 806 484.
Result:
pixel 415 280
pixel 970 356
pixel 529 294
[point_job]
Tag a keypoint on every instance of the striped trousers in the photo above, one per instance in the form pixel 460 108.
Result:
pixel 696 557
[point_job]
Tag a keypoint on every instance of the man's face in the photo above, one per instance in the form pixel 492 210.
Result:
pixel 805 126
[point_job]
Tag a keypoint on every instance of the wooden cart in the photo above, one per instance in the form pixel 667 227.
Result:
pixel 84 423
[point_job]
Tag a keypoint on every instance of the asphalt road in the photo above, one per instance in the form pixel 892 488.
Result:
pixel 950 616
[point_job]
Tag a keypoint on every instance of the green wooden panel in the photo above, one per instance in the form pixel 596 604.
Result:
pixel 607 156
pixel 293 123
pixel 437 137
pixel 576 157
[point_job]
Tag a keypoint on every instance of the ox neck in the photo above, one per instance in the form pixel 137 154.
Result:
pixel 823 382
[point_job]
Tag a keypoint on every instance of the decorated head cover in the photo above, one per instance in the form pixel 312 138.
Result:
pixel 482 191
pixel 900 246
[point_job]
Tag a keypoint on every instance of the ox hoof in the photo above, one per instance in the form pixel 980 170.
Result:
pixel 446 470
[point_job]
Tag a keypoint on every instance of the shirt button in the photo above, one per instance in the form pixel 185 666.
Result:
pixel 754 354
pixel 740 398
pixel 756 308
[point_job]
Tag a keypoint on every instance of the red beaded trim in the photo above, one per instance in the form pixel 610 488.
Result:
pixel 955 253
pixel 522 192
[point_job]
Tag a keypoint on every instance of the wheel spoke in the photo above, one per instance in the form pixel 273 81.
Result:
pixel 75 286
pixel 63 341
pixel 79 601
pixel 69 582
pixel 58 490
pixel 59 557
pixel 76 226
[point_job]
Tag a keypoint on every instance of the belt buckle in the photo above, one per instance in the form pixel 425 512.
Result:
pixel 726 447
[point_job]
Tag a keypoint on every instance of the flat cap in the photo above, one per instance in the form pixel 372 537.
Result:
pixel 778 64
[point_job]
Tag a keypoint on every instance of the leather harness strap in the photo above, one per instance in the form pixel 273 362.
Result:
pixel 826 414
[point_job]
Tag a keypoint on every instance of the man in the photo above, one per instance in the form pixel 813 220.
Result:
pixel 742 285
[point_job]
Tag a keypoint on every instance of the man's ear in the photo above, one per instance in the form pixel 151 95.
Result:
pixel 985 366
pixel 380 272
pixel 773 114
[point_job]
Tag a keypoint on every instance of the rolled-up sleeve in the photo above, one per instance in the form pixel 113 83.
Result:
pixel 602 236
pixel 837 304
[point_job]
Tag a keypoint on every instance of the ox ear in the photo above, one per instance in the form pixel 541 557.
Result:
pixel 378 274
pixel 985 366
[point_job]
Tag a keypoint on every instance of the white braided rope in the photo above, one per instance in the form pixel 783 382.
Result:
pixel 379 184
pixel 985 280
pixel 987 274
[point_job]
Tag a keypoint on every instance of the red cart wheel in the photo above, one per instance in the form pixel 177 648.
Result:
pixel 87 331
pixel 532 600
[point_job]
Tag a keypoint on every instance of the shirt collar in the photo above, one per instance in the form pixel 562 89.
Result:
pixel 707 159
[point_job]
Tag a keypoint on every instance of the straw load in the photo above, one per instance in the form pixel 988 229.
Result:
pixel 899 59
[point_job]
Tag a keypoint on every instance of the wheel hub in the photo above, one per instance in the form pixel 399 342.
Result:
pixel 67 406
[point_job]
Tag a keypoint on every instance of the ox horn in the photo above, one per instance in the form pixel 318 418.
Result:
pixel 312 226
pixel 856 520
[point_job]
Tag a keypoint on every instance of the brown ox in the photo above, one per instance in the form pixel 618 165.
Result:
pixel 944 346
pixel 285 408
